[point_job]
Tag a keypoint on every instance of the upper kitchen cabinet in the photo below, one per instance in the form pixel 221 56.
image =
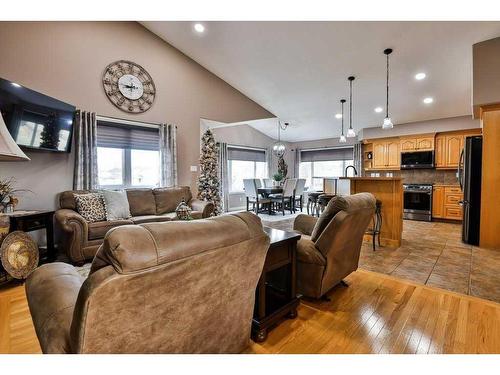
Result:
pixel 424 142
pixel 386 154
pixel 448 147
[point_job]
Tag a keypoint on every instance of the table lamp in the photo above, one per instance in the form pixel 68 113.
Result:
pixel 9 150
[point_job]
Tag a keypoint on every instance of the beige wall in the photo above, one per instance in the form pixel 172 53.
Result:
pixel 486 74
pixel 66 60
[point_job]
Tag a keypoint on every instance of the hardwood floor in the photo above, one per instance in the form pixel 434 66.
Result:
pixel 375 314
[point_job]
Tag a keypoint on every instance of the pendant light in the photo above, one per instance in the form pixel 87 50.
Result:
pixel 342 138
pixel 350 131
pixel 279 147
pixel 387 121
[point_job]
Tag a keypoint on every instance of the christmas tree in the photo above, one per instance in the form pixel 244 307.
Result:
pixel 208 181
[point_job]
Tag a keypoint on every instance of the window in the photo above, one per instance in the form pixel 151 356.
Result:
pixel 127 156
pixel 325 163
pixel 245 163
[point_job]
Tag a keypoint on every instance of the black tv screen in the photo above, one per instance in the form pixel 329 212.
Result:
pixel 35 120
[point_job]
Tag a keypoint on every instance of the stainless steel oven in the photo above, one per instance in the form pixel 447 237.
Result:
pixel 417 202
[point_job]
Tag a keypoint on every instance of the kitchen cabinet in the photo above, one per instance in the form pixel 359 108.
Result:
pixel 448 147
pixel 438 201
pixel 417 143
pixel 445 202
pixel 386 154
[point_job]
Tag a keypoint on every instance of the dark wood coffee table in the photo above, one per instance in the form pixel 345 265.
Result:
pixel 276 297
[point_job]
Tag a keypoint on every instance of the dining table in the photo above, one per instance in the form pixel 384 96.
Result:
pixel 266 191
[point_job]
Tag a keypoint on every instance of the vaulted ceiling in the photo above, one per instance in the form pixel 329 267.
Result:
pixel 299 70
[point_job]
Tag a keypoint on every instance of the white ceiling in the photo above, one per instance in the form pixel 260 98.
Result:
pixel 299 70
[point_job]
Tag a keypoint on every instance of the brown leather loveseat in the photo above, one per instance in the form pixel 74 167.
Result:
pixel 176 287
pixel 79 239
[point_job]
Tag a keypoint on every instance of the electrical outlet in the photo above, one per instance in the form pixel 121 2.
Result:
pixel 194 168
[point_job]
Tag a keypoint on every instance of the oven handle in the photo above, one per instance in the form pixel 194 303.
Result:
pixel 417 191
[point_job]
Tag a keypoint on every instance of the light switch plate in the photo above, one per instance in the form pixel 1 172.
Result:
pixel 194 168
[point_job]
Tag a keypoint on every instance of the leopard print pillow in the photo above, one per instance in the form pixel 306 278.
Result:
pixel 91 206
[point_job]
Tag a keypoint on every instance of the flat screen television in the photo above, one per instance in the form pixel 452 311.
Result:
pixel 35 120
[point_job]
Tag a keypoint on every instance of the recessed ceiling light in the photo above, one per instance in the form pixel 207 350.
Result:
pixel 199 27
pixel 420 76
pixel 379 109
pixel 15 84
pixel 338 115
pixel 428 100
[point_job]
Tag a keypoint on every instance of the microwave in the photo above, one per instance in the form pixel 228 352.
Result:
pixel 417 159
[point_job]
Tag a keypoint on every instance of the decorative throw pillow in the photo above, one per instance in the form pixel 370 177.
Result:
pixel 91 206
pixel 116 205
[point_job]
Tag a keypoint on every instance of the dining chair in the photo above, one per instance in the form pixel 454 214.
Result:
pixel 252 195
pixel 267 182
pixel 299 192
pixel 287 197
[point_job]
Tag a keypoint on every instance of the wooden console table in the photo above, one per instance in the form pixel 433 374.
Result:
pixel 276 295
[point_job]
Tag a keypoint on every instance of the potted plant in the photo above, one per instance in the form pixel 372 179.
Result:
pixel 277 178
pixel 6 191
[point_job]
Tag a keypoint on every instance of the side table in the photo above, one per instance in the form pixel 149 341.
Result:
pixel 276 297
pixel 28 221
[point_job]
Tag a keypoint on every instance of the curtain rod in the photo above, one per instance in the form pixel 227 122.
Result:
pixel 326 148
pixel 118 121
pixel 247 147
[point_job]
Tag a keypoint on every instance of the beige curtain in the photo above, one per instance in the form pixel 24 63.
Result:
pixel 85 173
pixel 358 157
pixel 168 155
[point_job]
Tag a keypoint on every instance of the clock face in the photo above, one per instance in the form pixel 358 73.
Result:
pixel 129 86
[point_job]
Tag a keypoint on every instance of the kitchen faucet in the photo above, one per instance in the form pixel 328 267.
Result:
pixel 350 166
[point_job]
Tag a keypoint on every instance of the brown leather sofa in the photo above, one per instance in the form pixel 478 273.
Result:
pixel 330 245
pixel 79 239
pixel 176 287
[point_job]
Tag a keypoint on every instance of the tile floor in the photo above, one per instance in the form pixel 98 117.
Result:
pixel 432 254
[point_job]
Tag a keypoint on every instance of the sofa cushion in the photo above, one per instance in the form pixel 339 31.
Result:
pixel 91 206
pixel 308 253
pixel 99 229
pixel 167 199
pixel 151 218
pixel 67 198
pixel 141 202
pixel 117 207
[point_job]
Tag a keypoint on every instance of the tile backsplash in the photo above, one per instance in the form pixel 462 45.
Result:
pixel 420 176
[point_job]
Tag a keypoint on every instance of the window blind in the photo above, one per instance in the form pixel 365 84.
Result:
pixel 245 154
pixel 126 136
pixel 327 154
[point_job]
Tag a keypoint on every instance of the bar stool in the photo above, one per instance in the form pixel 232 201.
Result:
pixel 312 200
pixel 377 224
pixel 323 200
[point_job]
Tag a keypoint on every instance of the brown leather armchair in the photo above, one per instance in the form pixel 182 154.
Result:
pixel 330 245
pixel 174 287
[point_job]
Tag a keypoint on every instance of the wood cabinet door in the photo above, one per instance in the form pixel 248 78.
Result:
pixel 379 155
pixel 440 152
pixel 425 144
pixel 438 202
pixel 453 147
pixel 408 144
pixel 393 155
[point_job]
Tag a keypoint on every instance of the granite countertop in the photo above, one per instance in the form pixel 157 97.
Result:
pixel 372 178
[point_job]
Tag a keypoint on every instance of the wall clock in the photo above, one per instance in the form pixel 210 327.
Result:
pixel 129 86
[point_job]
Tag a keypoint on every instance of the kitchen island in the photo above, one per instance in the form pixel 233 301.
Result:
pixel 389 190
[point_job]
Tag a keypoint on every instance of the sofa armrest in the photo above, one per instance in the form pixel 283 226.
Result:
pixel 74 233
pixel 52 291
pixel 206 207
pixel 304 224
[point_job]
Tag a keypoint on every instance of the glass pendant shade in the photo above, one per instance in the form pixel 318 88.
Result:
pixel 387 123
pixel 342 139
pixel 350 133
pixel 279 149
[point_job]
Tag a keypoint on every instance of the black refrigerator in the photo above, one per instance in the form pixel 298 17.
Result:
pixel 469 177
